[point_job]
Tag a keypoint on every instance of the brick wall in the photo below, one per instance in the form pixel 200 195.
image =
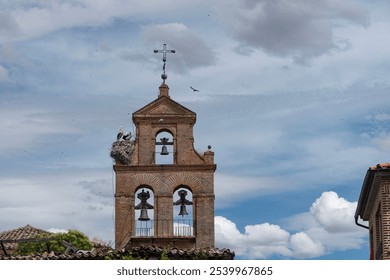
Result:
pixel 385 209
pixel 190 170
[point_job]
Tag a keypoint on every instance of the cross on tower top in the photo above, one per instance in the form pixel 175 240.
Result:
pixel 164 51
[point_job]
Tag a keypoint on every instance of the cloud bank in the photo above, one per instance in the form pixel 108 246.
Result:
pixel 327 227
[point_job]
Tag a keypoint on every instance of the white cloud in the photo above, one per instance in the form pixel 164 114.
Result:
pixel 226 232
pixel 57 230
pixel 334 213
pixel 304 247
pixel 328 227
pixel 258 241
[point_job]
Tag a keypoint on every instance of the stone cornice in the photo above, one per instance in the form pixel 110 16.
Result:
pixel 165 168
pixel 154 119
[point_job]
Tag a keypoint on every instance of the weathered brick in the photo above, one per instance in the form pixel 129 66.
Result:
pixel 190 170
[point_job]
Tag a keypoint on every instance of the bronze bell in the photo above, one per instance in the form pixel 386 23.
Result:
pixel 183 210
pixel 144 215
pixel 164 151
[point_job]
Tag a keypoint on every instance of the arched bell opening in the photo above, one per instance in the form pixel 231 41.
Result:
pixel 164 150
pixel 144 211
pixel 183 222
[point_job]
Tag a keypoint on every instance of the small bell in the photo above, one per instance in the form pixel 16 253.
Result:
pixel 144 215
pixel 183 211
pixel 164 151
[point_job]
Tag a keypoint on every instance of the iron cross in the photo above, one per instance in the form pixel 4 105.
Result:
pixel 164 51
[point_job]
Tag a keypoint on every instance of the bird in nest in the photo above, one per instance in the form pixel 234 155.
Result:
pixel 120 133
pixel 127 136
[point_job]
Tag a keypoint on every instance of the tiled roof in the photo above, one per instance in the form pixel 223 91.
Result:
pixel 20 233
pixel 25 232
pixel 55 256
pixel 380 166
pixel 144 252
pixel 183 254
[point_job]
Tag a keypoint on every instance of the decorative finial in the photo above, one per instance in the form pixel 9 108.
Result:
pixel 164 51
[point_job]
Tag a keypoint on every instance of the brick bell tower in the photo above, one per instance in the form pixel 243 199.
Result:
pixel 164 192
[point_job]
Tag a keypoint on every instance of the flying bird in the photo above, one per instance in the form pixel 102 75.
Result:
pixel 194 89
pixel 120 133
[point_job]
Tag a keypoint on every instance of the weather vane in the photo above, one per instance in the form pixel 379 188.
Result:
pixel 164 51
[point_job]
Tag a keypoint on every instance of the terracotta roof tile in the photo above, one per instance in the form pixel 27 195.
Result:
pixel 20 233
pixel 380 166
pixel 147 252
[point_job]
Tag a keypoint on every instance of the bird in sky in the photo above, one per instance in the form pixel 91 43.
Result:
pixel 194 89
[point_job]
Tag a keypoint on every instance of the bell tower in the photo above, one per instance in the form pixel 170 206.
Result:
pixel 164 191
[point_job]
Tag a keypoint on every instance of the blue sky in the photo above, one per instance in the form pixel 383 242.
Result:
pixel 294 99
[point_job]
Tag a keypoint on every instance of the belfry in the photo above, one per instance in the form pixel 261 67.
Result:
pixel 164 193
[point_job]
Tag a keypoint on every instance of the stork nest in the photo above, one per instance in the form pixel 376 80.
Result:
pixel 121 151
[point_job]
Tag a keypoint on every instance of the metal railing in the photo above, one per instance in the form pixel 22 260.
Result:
pixel 144 228
pixel 178 227
pixel 183 227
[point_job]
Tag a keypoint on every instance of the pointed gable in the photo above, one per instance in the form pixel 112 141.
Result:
pixel 21 233
pixel 164 107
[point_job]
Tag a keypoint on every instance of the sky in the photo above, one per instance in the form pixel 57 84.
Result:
pixel 293 98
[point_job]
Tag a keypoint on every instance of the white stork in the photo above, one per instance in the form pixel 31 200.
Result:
pixel 120 133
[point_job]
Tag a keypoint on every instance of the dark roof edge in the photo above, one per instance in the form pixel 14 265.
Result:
pixel 366 188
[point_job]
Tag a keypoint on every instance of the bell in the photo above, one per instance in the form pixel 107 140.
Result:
pixel 144 215
pixel 183 210
pixel 164 151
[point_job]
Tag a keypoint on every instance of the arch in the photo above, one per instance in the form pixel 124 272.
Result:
pixel 182 186
pixel 164 147
pixel 143 179
pixel 184 179
pixel 144 205
pixel 143 186
pixel 164 129
pixel 183 211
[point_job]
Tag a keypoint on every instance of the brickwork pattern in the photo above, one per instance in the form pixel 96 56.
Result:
pixel 379 221
pixel 385 205
pixel 190 170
